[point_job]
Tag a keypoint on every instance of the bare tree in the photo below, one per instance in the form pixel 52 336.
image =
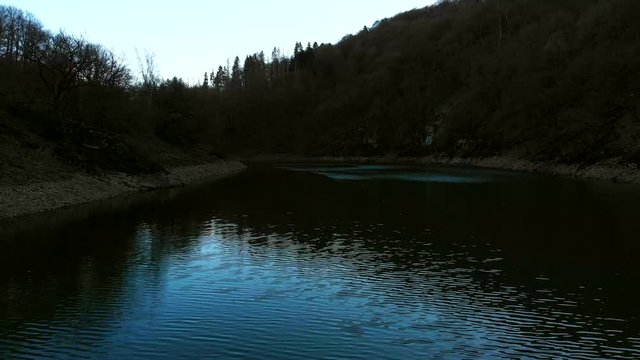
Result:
pixel 103 68
pixel 21 34
pixel 66 63
pixel 150 78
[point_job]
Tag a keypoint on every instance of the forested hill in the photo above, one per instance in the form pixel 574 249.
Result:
pixel 542 80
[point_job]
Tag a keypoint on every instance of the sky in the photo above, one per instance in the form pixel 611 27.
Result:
pixel 190 37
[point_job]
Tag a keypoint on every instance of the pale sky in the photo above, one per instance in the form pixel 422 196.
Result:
pixel 189 37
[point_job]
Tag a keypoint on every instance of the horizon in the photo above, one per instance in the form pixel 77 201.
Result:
pixel 205 40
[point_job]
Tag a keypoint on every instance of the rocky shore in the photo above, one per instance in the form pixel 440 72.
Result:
pixel 81 188
pixel 609 170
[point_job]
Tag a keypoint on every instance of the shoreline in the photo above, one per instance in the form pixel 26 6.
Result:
pixel 609 170
pixel 21 200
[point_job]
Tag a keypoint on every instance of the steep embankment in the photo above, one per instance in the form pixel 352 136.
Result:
pixel 80 188
pixel 37 175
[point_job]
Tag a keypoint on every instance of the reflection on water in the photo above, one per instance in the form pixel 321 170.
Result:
pixel 332 261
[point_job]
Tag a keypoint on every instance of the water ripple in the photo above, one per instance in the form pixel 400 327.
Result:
pixel 233 287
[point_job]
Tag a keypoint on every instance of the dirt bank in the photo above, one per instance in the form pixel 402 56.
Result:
pixel 611 170
pixel 80 188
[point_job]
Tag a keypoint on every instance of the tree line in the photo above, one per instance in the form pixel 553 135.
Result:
pixel 543 80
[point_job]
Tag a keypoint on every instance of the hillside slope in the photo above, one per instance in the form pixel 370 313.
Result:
pixel 542 80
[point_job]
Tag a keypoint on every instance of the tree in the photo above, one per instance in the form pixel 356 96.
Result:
pixel 66 63
pixel 220 79
pixel 21 34
pixel 148 72
pixel 277 67
pixel 255 74
pixel 236 75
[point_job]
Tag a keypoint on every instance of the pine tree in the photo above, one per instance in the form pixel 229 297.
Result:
pixel 219 79
pixel 236 75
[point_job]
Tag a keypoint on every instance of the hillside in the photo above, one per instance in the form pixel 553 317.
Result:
pixel 551 81
pixel 543 80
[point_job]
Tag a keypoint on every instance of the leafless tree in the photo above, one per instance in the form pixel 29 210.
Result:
pixel 21 34
pixel 66 63
pixel 148 71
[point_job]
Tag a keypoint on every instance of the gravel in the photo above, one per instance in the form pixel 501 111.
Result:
pixel 31 198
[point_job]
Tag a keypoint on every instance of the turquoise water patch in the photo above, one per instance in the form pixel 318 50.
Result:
pixel 413 173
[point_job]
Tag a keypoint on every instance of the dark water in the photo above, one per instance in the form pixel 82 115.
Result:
pixel 332 262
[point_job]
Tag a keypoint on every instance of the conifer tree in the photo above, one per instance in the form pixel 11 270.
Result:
pixel 219 79
pixel 236 75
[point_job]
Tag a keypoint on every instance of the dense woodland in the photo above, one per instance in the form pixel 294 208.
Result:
pixel 543 80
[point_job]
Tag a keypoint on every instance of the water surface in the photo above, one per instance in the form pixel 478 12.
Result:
pixel 332 261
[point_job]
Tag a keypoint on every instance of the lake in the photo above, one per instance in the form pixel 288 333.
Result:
pixel 332 261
